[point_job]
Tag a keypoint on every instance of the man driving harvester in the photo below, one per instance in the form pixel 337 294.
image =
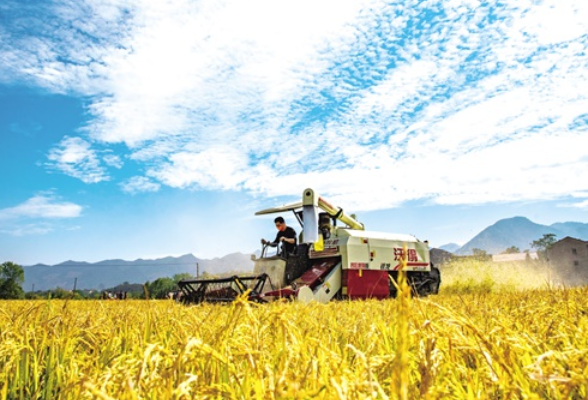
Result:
pixel 286 235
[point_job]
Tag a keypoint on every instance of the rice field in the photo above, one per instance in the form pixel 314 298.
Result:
pixel 480 338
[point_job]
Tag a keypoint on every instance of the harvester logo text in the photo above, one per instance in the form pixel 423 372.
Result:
pixel 399 254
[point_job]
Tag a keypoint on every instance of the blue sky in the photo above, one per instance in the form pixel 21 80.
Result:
pixel 134 129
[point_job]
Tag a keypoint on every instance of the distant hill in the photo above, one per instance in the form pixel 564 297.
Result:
pixel 109 273
pixel 574 229
pixel 440 257
pixel 450 247
pixel 520 232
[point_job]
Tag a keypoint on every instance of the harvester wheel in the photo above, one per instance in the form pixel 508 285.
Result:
pixel 435 276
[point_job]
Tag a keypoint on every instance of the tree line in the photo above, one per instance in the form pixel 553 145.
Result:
pixel 12 279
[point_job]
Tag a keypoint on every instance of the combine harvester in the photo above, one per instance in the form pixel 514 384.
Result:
pixel 329 262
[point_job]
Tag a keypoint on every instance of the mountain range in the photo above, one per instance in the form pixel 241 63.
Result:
pixel 516 231
pixel 109 273
pixel 519 232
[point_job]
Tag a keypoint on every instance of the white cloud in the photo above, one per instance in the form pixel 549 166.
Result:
pixel 113 161
pixel 139 184
pixel 579 200
pixel 475 106
pixel 44 206
pixel 215 168
pixel 39 215
pixel 583 205
pixel 28 229
pixel 554 21
pixel 75 157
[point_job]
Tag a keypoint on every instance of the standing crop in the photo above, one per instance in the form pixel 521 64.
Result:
pixel 530 344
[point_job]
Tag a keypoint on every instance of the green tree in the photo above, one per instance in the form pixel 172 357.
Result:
pixel 183 275
pixel 543 244
pixel 32 296
pixel 11 280
pixel 480 254
pixel 207 275
pixel 160 288
pixel 60 293
pixel 512 250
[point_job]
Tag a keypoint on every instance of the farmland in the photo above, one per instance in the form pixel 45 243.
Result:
pixel 494 336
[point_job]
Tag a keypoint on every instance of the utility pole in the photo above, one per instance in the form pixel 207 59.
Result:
pixel 197 270
pixel 75 284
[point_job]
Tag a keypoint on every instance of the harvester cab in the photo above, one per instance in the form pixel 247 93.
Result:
pixel 329 262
